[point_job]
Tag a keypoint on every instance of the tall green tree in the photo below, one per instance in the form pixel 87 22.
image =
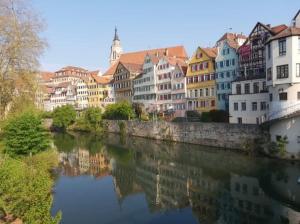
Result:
pixel 63 117
pixel 24 134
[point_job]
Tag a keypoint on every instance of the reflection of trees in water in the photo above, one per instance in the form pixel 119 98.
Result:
pixel 220 187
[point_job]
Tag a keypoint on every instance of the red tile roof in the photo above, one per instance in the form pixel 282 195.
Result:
pixel 289 31
pixel 134 68
pixel 139 56
pixel 232 36
pixel 278 29
pixel 101 79
pixel 211 52
pixel 46 76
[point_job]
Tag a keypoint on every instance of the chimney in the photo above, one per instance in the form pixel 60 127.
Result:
pixel 156 54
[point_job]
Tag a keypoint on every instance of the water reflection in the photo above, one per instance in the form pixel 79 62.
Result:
pixel 216 186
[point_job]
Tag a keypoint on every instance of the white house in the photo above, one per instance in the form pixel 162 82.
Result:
pixel 248 101
pixel 283 82
pixel 144 85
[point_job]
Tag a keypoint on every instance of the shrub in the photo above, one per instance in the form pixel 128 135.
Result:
pixel 25 188
pixel 24 134
pixel 63 117
pixel 92 117
pixel 119 111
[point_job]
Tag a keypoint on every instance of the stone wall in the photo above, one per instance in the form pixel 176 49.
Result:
pixel 231 136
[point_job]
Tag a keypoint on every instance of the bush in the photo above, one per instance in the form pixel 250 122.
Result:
pixel 63 117
pixel 25 188
pixel 119 111
pixel 92 117
pixel 24 134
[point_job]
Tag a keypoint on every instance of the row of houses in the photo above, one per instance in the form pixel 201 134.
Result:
pixel 255 78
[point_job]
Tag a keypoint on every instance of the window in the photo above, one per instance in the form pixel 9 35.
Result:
pixel 247 88
pixel 298 69
pixel 298 139
pixel 227 63
pixel 256 87
pixel 269 51
pixel 298 95
pixel 236 106
pixel 269 74
pixel 271 97
pixel 233 62
pixel 240 120
pixel 254 106
pixel 282 71
pixel 282 96
pixel 244 106
pixel 282 47
pixel 263 105
pixel 238 89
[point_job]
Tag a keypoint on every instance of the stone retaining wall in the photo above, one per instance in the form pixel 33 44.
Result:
pixel 231 136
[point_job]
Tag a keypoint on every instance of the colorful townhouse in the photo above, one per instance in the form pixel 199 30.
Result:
pixel 283 83
pixel 226 66
pixel 144 85
pixel 82 93
pixel 179 89
pixel 249 100
pixel 98 87
pixel 123 80
pixel 171 86
pixel 201 83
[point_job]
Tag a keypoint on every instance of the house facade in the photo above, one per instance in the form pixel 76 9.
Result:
pixel 144 85
pixel 226 66
pixel 123 80
pixel 201 84
pixel 252 78
pixel 283 82
pixel 248 101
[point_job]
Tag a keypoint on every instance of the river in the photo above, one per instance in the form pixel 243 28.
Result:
pixel 116 180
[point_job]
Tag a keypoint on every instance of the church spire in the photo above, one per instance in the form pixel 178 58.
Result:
pixel 116 34
pixel 116 49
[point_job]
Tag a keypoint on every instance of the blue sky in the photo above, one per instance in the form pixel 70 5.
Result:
pixel 80 32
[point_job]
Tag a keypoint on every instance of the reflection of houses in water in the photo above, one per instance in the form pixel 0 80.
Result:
pixel 248 203
pixel 84 160
pixel 99 164
pixel 124 180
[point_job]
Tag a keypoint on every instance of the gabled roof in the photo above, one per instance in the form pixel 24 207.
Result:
pixel 297 14
pixel 139 56
pixel 132 67
pixel 273 30
pixel 232 36
pixel 101 79
pixel 210 51
pixel 290 31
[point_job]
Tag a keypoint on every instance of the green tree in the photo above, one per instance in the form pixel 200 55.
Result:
pixel 24 134
pixel 93 117
pixel 119 111
pixel 63 117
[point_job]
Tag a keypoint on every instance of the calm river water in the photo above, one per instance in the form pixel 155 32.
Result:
pixel 134 180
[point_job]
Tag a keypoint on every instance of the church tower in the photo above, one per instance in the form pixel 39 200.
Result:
pixel 116 49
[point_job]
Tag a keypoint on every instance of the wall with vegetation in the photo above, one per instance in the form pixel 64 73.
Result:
pixel 231 136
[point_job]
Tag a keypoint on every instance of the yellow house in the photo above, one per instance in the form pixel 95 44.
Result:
pixel 201 84
pixel 98 87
